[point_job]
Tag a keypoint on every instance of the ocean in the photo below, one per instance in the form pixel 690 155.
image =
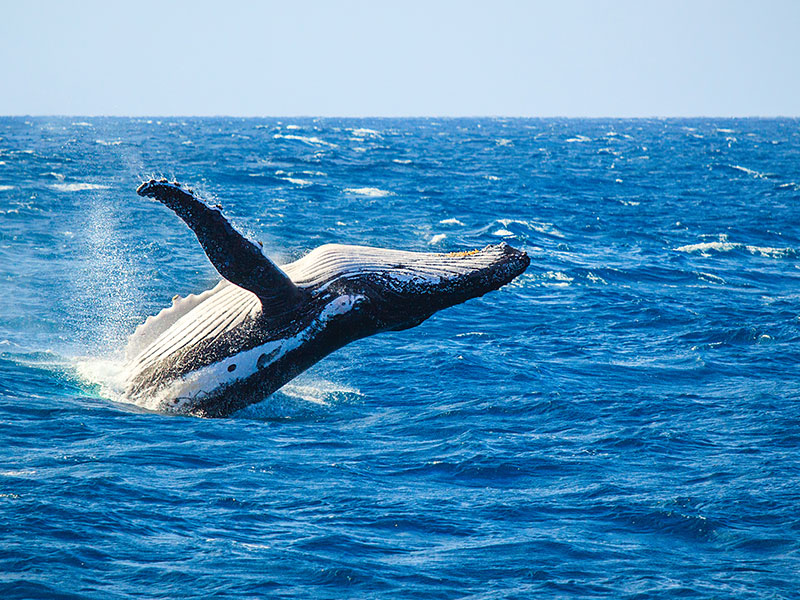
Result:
pixel 621 421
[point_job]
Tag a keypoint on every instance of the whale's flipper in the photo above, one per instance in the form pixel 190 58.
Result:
pixel 236 258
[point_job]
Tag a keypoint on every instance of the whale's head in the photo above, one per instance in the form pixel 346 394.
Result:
pixel 402 289
pixel 438 281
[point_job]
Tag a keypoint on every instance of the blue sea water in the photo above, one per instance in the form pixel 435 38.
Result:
pixel 619 422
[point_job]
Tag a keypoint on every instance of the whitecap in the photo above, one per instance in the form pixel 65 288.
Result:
pixel 492 177
pixel 450 221
pixel 5 188
pixel 82 124
pixel 311 140
pixel 364 132
pixel 77 187
pixel 540 226
pixel 753 173
pixel 710 278
pixel 437 238
pixel 557 278
pixel 503 233
pixel 105 143
pixel 578 138
pixel 706 248
pixel 503 142
pixel 596 278
pixel 369 191
pixel 401 161
pixel 297 181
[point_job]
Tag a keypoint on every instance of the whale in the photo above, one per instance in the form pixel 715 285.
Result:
pixel 216 352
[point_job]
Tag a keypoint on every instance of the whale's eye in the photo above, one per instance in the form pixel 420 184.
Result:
pixel 231 368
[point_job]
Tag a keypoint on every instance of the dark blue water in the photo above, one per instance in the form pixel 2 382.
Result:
pixel 620 422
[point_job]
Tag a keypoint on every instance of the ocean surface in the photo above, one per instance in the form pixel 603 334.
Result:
pixel 622 421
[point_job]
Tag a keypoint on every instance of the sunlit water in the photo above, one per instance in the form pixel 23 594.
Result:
pixel 620 422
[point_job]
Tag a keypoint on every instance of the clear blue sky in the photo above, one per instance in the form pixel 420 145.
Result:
pixel 380 58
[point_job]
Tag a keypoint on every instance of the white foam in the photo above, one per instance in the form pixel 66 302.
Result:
pixel 372 192
pixel 557 278
pixel 437 238
pixel 312 140
pixel 107 374
pixel 504 142
pixel 596 278
pixel 364 132
pixel 756 174
pixel 707 248
pixel 105 143
pixel 578 139
pixel 450 221
pixel 401 161
pixel 503 233
pixel 5 188
pixel 77 187
pixel 298 181
pixel 540 226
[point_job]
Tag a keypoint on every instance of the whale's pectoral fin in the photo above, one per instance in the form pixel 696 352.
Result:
pixel 236 258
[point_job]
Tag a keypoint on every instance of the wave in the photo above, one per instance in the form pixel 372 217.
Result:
pixel 5 188
pixel 450 221
pixel 437 238
pixel 751 172
pixel 77 187
pixel 297 181
pixel 503 233
pixel 538 226
pixel 363 132
pixel 372 192
pixel 311 140
pixel 707 248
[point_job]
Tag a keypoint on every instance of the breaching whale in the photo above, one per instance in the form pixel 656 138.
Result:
pixel 216 352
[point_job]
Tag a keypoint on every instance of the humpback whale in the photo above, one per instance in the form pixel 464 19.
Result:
pixel 216 352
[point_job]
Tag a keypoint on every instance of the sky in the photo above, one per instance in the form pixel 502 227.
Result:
pixel 572 58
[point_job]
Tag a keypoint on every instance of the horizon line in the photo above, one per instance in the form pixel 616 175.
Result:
pixel 233 116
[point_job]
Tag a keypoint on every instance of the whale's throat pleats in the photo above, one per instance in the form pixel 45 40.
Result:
pixel 188 322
